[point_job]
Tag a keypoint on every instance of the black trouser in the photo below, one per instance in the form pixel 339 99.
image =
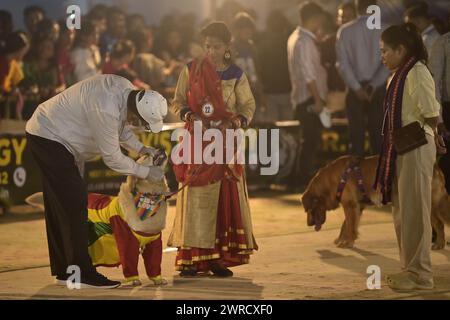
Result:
pixel 444 162
pixel 363 115
pixel 311 129
pixel 65 200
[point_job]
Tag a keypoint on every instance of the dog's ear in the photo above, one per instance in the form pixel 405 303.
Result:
pixel 306 201
pixel 309 201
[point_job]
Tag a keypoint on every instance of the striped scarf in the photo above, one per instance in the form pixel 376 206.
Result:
pixel 392 120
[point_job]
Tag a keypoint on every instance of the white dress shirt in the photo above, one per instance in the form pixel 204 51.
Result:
pixel 358 55
pixel 429 37
pixel 305 66
pixel 86 62
pixel 439 64
pixel 89 119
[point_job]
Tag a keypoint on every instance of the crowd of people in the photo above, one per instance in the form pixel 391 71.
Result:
pixel 49 57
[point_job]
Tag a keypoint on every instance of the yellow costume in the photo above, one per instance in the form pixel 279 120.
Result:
pixel 112 242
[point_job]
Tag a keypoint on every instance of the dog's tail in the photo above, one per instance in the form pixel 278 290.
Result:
pixel 36 200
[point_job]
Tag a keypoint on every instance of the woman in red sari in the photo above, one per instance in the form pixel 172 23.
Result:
pixel 212 228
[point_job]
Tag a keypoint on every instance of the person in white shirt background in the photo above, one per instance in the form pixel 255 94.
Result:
pixel 85 56
pixel 87 120
pixel 359 64
pixel 419 16
pixel 439 64
pixel 309 85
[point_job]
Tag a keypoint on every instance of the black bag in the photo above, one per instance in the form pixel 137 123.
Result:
pixel 409 137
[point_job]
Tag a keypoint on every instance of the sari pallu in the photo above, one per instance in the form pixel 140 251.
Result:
pixel 205 88
pixel 392 110
pixel 231 243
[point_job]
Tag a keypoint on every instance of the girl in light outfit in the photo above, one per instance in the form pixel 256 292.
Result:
pixel 213 228
pixel 405 180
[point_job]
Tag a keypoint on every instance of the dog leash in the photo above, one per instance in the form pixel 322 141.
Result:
pixel 148 204
pixel 194 175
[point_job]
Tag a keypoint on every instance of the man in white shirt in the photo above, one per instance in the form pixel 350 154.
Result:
pixel 439 64
pixel 309 84
pixel 418 15
pixel 87 120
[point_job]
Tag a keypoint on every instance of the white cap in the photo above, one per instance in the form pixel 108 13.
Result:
pixel 152 107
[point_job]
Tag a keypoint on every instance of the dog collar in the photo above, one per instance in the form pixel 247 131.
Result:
pixel 147 204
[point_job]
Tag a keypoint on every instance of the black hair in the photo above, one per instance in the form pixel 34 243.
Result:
pixel 309 10
pixel 140 37
pixel 43 28
pixel 217 30
pixel 87 30
pixel 408 35
pixel 99 8
pixel 362 5
pixel 134 16
pixel 413 3
pixel 122 48
pixel 277 22
pixel 243 20
pixel 417 11
pixel 31 9
pixel 6 24
pixel 347 5
pixel 14 42
pixel 115 10
pixel 97 15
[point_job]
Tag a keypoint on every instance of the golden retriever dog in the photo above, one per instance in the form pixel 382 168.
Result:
pixel 320 197
pixel 123 227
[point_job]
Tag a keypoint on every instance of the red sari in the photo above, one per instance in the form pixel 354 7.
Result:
pixel 231 247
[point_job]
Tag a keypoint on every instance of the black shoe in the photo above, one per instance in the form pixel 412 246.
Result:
pixel 61 280
pixel 188 271
pixel 98 281
pixel 220 271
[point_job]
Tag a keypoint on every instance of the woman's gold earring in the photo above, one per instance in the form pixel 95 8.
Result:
pixel 227 55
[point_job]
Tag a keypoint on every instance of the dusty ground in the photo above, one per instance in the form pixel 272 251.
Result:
pixel 293 262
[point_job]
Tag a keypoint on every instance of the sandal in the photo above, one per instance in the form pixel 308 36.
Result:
pixel 404 281
pixel 219 270
pixel 188 271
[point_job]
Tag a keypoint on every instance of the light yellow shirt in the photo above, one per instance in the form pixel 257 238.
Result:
pixel 419 97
